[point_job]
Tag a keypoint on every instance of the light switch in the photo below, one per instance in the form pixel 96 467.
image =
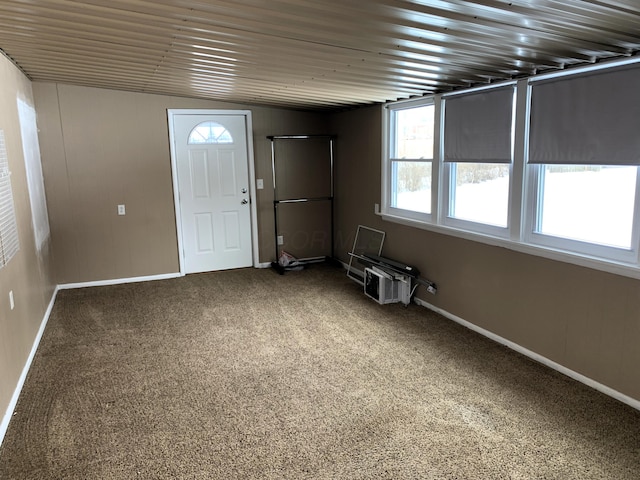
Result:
pixel 11 303
pixel 121 210
pixel 259 184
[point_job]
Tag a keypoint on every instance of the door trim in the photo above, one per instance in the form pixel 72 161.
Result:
pixel 171 113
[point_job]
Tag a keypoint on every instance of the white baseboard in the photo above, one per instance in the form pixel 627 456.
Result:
pixel 67 286
pixel 23 376
pixel 118 281
pixel 535 356
pixel 512 345
pixel 632 402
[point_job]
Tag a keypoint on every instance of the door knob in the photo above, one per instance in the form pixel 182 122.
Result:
pixel 244 190
pixel 244 201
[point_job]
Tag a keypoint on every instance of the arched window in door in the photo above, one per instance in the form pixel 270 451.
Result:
pixel 209 132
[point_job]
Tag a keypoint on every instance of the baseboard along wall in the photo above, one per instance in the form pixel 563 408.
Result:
pixel 632 402
pixel 67 286
pixel 486 333
pixel 118 281
pixel 25 370
pixel 535 356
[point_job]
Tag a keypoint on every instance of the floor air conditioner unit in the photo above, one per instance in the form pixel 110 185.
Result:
pixel 382 287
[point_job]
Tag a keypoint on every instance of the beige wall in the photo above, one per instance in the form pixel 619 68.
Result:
pixel 28 273
pixel 583 319
pixel 101 148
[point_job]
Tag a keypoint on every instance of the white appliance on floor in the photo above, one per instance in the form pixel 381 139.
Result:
pixel 384 280
pixel 387 287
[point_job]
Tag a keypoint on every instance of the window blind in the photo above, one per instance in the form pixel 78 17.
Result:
pixel 9 244
pixel 588 119
pixel 477 126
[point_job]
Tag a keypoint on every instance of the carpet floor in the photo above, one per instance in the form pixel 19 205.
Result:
pixel 247 374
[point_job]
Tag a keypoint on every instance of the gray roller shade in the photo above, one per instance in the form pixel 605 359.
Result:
pixel 477 126
pixel 589 119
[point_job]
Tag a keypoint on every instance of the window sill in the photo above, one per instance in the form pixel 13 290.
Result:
pixel 609 266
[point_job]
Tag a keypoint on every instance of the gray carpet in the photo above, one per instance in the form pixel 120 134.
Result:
pixel 250 375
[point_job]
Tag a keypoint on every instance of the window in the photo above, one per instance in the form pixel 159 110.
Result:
pixel 479 192
pixel 587 209
pixel 587 203
pixel 9 244
pixel 583 155
pixel 477 154
pixel 209 132
pixel 410 158
pixel 548 165
pixel 35 181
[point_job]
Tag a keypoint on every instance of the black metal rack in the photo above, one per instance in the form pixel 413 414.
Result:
pixel 299 200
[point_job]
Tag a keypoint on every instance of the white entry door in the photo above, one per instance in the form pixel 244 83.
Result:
pixel 211 160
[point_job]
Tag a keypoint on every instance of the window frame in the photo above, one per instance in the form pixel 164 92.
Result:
pixel 523 197
pixel 210 124
pixel 448 190
pixel 532 200
pixel 389 144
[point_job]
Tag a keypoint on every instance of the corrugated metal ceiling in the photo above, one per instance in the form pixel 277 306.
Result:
pixel 316 54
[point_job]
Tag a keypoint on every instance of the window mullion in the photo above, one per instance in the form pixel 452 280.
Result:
pixel 437 168
pixel 451 170
pixel 518 188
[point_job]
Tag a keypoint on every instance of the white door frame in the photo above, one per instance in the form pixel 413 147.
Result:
pixel 252 177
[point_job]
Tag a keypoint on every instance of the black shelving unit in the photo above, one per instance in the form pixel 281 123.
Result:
pixel 279 201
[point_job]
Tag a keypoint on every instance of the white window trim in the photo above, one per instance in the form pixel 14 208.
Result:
pixel 583 260
pixel 386 176
pixel 523 186
pixel 531 204
pixel 446 198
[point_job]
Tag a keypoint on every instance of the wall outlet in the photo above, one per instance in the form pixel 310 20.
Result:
pixel 260 184
pixel 11 302
pixel 280 240
pixel 121 210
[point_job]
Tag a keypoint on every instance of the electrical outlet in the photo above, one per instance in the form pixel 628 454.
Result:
pixel 121 210
pixel 432 289
pixel 280 240
pixel 11 302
